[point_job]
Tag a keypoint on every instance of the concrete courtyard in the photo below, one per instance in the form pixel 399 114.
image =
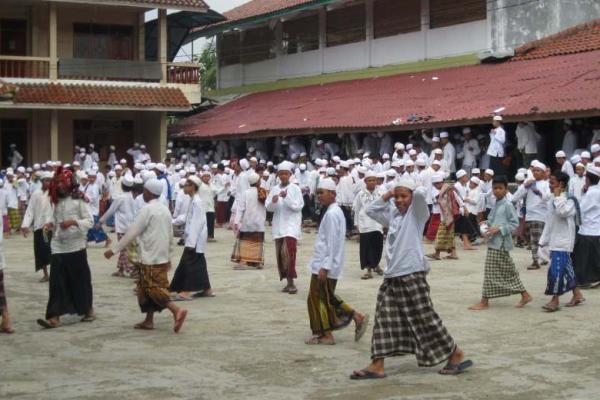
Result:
pixel 248 342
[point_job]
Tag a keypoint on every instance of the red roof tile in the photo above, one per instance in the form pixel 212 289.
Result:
pixel 534 89
pixel 98 95
pixel 578 39
pixel 255 8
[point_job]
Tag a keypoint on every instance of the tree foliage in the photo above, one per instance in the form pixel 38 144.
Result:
pixel 208 66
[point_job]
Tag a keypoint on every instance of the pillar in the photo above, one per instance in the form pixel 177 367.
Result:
pixel 54 135
pixel 162 43
pixel 142 37
pixel 53 42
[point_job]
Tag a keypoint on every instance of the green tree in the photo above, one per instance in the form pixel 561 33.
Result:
pixel 208 66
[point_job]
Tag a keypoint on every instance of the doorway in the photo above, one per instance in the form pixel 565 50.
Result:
pixel 104 133
pixel 13 131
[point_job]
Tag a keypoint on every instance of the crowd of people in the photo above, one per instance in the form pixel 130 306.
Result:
pixel 379 199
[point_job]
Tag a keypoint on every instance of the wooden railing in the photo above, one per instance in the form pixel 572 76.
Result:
pixel 24 67
pixel 185 73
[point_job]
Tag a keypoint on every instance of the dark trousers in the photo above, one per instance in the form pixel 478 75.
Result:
pixel 210 224
pixel 497 166
pixel 228 208
pixel 307 210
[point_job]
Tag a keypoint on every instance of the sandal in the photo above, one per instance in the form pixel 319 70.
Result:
pixel 549 308
pixel 143 327
pixel 455 369
pixel 379 271
pixel 44 279
pixel 367 276
pixel 366 374
pixel 293 290
pixel 451 258
pixel 317 341
pixel 7 330
pixel 361 329
pixel 575 303
pixel 433 257
pixel 88 318
pixel 45 324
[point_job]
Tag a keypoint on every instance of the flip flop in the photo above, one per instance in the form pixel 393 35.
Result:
pixel 202 294
pixel 88 318
pixel 366 276
pixel 179 297
pixel 450 258
pixel 8 331
pixel 575 303
pixel 179 321
pixel 364 374
pixel 293 290
pixel 45 324
pixel 456 369
pixel 142 327
pixel 433 257
pixel 318 341
pixel 550 309
pixel 360 330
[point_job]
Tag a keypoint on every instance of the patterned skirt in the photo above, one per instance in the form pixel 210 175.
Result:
pixel 500 277
pixel 153 287
pixel 285 251
pixel 326 311
pixel 2 292
pixel 248 248
pixel 14 218
pixel 406 323
pixel 432 228
pixel 561 277
pixel 5 224
pixel 444 239
pixel 123 264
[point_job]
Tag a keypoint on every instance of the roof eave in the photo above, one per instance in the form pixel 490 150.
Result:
pixel 132 4
pixel 95 107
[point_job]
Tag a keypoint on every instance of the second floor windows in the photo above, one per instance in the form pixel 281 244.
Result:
pixel 107 42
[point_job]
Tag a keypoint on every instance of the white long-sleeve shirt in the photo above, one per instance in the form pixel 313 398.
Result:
pixel 403 248
pixel 345 191
pixel 182 204
pixel 361 219
pixel 559 230
pixel 287 212
pixel 93 194
pixel 152 229
pixel 497 140
pixel 74 238
pixel 328 252
pixel 196 231
pixel 590 212
pixel 469 153
pixel 251 213
pixel 569 144
pixel 567 168
pixel 207 194
pixel 123 208
pixel 536 203
pixel 450 156
pixel 38 212
pixel 527 138
pixel 576 184
pixel 472 201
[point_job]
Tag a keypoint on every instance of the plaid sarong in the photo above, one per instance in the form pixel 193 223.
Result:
pixel 248 248
pixel 153 287
pixel 535 229
pixel 14 218
pixel 406 323
pixel 444 239
pixel 285 251
pixel 500 277
pixel 326 311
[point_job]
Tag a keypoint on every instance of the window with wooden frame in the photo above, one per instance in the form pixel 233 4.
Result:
pixel 107 42
pixel 230 48
pixel 258 45
pixel 301 34
pixel 453 12
pixel 392 17
pixel 13 37
pixel 346 25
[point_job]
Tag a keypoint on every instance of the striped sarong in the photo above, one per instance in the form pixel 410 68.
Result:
pixel 248 248
pixel 406 323
pixel 561 277
pixel 326 311
pixel 285 251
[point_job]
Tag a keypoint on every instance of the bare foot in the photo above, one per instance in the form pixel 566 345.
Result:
pixel 526 298
pixel 146 326
pixel 179 320
pixel 316 340
pixel 479 306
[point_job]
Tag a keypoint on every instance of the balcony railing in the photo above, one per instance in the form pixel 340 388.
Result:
pixel 24 67
pixel 111 70
pixel 184 73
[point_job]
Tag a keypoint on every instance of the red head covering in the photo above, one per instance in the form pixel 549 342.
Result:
pixel 64 176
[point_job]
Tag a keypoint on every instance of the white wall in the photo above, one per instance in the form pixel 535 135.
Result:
pixel 457 39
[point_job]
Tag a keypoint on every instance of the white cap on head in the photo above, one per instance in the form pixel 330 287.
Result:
pixel 412 152
pixel 475 180
pixel 595 148
pixel 385 156
pixel 331 171
pixel 327 184
pixel 336 159
pixel 460 173
pixel 253 178
pixel 397 163
pixel 575 159
pixel 269 163
pixel 123 161
pixel 592 169
pixel 497 117
pixel 405 182
pixel 266 174
pixel 520 177
pixel 444 135
pixel 535 164
pixel 466 130
pixel 161 167
pixel 46 175
pixel 489 172
pixel 251 149
pixel 254 159
pixel 112 147
pixel 421 162
pixel 138 180
pixel 438 151
pixel 319 142
pixel 475 171
pixel 409 146
pixel 561 154
pixel 435 139
pixel 92 172
pixel 143 146
pixel 409 163
pixel 586 154
pixel 244 164
pixel 195 180
pixel 437 178
pixel 391 173
pixel 302 167
pixel 580 165
pixel 154 186
pixel 21 170
pixel 437 162
pixel 399 146
pixel 369 174
pixel 127 181
pixel 344 164
pixel 285 166
pixel 36 166
pixel 76 163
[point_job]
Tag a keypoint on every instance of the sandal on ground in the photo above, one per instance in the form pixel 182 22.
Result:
pixel 361 329
pixel 45 324
pixel 433 257
pixel 318 341
pixel 285 289
pixel 7 330
pixel 366 374
pixel 44 279
pixel 118 274
pixel 88 318
pixel 533 267
pixel 179 297
pixel 575 303
pixel 456 369
pixel 293 290
pixel 203 294
pixel 367 276
pixel 143 327
pixel 549 308
pixel 379 271
pixel 451 258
